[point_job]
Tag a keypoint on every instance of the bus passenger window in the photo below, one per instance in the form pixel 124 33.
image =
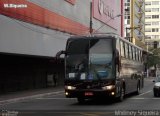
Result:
pixel 117 61
pixel 122 49
pixel 141 56
pixel 133 50
pixel 130 52
pixel 126 50
pixel 136 54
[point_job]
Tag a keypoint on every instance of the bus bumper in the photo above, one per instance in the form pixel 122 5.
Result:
pixel 90 93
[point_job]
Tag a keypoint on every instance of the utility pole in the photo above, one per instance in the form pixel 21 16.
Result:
pixel 147 61
pixel 91 29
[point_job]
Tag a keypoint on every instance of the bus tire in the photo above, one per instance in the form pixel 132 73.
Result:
pixel 80 100
pixel 155 95
pixel 122 94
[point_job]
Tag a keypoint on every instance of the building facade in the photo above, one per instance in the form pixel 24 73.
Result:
pixel 152 22
pixel 33 31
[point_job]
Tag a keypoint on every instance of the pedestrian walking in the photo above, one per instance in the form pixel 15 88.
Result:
pixel 55 79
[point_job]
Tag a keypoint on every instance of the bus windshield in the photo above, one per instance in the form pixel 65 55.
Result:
pixel 89 59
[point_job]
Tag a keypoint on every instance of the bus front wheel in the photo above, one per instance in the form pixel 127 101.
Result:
pixel 121 97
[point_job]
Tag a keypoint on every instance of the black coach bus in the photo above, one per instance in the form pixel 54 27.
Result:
pixel 102 66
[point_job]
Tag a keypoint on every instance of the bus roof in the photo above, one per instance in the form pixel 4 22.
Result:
pixel 105 35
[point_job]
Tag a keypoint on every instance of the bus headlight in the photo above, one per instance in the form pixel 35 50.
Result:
pixel 70 87
pixel 109 87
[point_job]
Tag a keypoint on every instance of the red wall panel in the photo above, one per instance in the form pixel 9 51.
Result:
pixel 40 16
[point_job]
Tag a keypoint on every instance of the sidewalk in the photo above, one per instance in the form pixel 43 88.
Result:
pixel 150 78
pixel 29 94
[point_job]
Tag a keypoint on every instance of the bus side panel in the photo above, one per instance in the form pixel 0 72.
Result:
pixel 130 71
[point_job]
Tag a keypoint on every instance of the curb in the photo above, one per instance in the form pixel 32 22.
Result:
pixel 28 97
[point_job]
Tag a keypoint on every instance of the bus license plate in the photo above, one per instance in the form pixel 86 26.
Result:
pixel 88 93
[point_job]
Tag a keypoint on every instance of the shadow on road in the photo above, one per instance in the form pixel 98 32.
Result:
pixel 104 101
pixel 98 102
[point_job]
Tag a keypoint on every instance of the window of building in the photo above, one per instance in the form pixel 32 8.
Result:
pixel 127 13
pixel 155 9
pixel 148 23
pixel 127 9
pixel 155 2
pixel 128 21
pixel 155 23
pixel 155 36
pixel 148 16
pixel 148 30
pixel 155 30
pixel 148 37
pixel 127 4
pixel 147 3
pixel 147 10
pixel 155 16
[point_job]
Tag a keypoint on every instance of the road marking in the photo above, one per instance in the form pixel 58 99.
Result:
pixel 145 98
pixel 145 93
pixel 50 98
pixel 136 98
pixel 14 100
pixel 74 113
pixel 89 114
pixel 96 113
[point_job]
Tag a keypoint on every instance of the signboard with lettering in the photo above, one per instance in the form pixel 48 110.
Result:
pixel 105 11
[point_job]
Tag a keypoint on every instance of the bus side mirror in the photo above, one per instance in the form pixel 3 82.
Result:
pixel 117 60
pixel 117 63
pixel 117 57
pixel 60 53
